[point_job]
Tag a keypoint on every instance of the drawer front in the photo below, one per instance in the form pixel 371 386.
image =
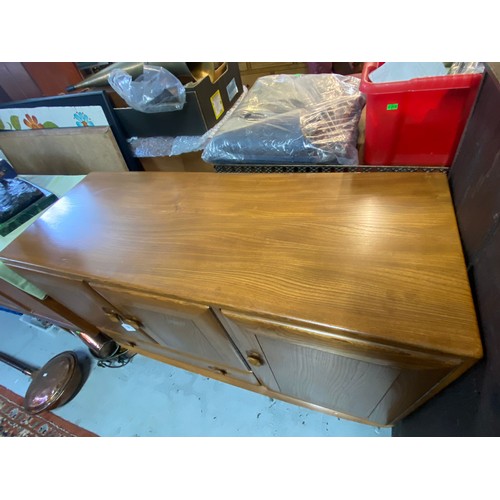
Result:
pixel 145 344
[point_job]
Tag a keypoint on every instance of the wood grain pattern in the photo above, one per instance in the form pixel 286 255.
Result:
pixel 345 250
pixel 73 295
pixel 369 381
pixel 248 344
pixel 64 151
pixel 47 309
pixel 137 342
pixel 182 326
pixel 160 356
pixel 339 289
pixel 337 382
pixel 337 341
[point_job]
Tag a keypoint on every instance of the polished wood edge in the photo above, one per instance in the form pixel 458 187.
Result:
pixel 255 388
pixel 360 338
pixel 191 306
pixel 357 336
pixel 445 381
pixel 323 329
pixel 17 264
pixel 352 347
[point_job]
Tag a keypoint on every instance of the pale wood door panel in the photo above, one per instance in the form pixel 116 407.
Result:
pixel 248 344
pixel 178 325
pixel 337 382
pixel 335 372
pixel 76 295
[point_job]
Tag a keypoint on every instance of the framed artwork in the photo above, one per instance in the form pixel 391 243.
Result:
pixel 86 109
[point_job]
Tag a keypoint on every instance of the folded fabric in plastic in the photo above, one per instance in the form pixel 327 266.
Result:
pixel 15 196
pixel 292 119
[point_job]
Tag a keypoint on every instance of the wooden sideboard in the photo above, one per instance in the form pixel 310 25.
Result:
pixel 345 293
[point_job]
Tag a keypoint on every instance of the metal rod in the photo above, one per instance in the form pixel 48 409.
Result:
pixel 18 365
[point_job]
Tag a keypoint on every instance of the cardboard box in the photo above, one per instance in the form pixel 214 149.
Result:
pixel 187 162
pixel 206 104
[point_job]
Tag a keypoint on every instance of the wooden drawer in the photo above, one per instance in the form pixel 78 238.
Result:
pixel 141 342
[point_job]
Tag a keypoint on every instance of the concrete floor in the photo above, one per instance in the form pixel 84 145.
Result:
pixel 149 398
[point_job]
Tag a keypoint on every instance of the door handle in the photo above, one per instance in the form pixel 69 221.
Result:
pixel 219 371
pixel 255 359
pixel 112 316
pixel 127 323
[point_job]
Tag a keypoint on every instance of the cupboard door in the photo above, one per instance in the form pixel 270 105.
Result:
pixel 189 328
pixel 74 295
pixel 323 369
pixel 138 342
pixel 329 380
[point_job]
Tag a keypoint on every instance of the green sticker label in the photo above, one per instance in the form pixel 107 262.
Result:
pixel 391 107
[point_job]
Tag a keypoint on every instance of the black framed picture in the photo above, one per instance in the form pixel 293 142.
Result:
pixel 91 109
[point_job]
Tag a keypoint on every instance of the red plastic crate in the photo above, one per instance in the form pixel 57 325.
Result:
pixel 416 122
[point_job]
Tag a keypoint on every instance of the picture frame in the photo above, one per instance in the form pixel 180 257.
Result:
pixel 84 99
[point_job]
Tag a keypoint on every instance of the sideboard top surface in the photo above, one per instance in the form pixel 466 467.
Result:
pixel 374 253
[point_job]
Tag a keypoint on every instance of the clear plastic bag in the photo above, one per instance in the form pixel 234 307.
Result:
pixel 155 91
pixel 332 129
pixel 144 147
pixel 292 119
pixel 460 68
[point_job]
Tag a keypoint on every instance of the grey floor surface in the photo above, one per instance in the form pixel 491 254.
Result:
pixel 149 398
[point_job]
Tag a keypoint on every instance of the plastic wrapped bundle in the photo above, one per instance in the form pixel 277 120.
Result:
pixel 288 119
pixel 460 68
pixel 156 90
